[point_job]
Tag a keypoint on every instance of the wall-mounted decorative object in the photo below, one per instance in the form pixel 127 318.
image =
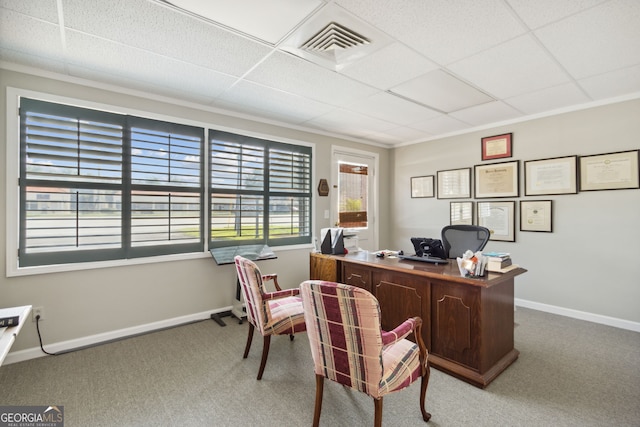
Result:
pixel 551 176
pixel 461 213
pixel 422 186
pixel 497 146
pixel 497 180
pixel 536 215
pixel 454 184
pixel 499 218
pixel 323 187
pixel 610 171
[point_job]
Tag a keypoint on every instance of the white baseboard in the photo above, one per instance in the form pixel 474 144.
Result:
pixel 582 315
pixel 35 352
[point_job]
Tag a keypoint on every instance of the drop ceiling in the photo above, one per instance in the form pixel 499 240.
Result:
pixel 381 72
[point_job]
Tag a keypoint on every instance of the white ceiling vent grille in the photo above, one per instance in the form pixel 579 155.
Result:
pixel 334 36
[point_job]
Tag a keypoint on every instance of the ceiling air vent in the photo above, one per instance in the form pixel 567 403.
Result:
pixel 334 37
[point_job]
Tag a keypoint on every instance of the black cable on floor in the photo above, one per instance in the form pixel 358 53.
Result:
pixel 40 337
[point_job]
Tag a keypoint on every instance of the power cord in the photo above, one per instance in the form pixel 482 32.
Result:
pixel 40 337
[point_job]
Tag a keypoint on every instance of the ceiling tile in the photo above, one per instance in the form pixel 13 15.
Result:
pixel 18 57
pixel 292 74
pixel 385 106
pixel 491 112
pixel 133 64
pixel 495 70
pixel 389 67
pixel 46 10
pixel 441 91
pixel 442 30
pixel 30 36
pixel 349 122
pixel 541 12
pixel 272 103
pixel 615 83
pixel 441 125
pixel 598 40
pixel 548 99
pixel 254 17
pixel 149 26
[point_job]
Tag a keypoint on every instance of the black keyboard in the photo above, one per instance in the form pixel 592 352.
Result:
pixel 432 260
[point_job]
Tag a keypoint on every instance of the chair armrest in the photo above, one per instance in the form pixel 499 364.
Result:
pixel 274 277
pixel 401 331
pixel 281 294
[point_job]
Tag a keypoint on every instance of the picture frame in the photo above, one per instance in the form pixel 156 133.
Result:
pixel 461 213
pixel 497 146
pixel 558 175
pixel 536 215
pixel 497 180
pixel 454 183
pixel 422 186
pixel 499 218
pixel 610 171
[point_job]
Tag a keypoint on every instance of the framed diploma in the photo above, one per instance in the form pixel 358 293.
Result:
pixel 422 186
pixel 461 213
pixel 499 218
pixel 497 180
pixel 551 176
pixel 497 146
pixel 611 171
pixel 454 184
pixel 536 215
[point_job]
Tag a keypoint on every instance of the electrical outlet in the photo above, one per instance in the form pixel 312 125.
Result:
pixel 37 311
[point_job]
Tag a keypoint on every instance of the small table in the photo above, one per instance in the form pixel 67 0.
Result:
pixel 226 255
pixel 8 334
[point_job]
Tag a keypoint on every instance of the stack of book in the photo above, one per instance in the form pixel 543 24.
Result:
pixel 499 262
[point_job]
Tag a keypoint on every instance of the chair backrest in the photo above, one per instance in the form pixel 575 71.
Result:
pixel 457 239
pixel 343 326
pixel 253 288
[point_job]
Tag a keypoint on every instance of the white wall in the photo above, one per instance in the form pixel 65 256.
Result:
pixel 91 305
pixel 591 261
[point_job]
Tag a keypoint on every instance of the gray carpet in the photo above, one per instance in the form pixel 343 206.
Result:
pixel 570 373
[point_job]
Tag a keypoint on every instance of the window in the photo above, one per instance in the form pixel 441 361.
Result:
pixel 101 186
pixel 353 183
pixel 98 186
pixel 260 191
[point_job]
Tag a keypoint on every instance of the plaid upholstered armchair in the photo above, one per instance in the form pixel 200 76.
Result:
pixel 272 313
pixel 348 345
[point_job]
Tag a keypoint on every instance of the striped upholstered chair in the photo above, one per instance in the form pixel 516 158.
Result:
pixel 272 313
pixel 349 346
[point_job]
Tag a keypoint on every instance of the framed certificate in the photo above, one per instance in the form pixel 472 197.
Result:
pixel 551 176
pixel 499 218
pixel 422 186
pixel 536 215
pixel 461 213
pixel 497 180
pixel 497 146
pixel 454 184
pixel 611 171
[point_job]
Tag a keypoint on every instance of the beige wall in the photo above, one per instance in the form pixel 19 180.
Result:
pixel 97 302
pixel 590 262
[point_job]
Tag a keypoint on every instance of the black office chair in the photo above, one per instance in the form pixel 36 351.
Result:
pixel 457 239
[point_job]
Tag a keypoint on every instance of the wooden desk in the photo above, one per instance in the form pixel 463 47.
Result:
pixel 467 323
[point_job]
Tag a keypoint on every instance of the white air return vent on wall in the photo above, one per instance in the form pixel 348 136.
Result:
pixel 333 38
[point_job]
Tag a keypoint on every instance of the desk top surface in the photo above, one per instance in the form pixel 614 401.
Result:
pixel 449 270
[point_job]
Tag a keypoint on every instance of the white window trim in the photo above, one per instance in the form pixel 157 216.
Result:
pixel 12 191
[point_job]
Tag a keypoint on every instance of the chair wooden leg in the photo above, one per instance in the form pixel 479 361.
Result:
pixel 377 418
pixel 249 338
pixel 265 354
pixel 291 337
pixel 423 393
pixel 318 407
